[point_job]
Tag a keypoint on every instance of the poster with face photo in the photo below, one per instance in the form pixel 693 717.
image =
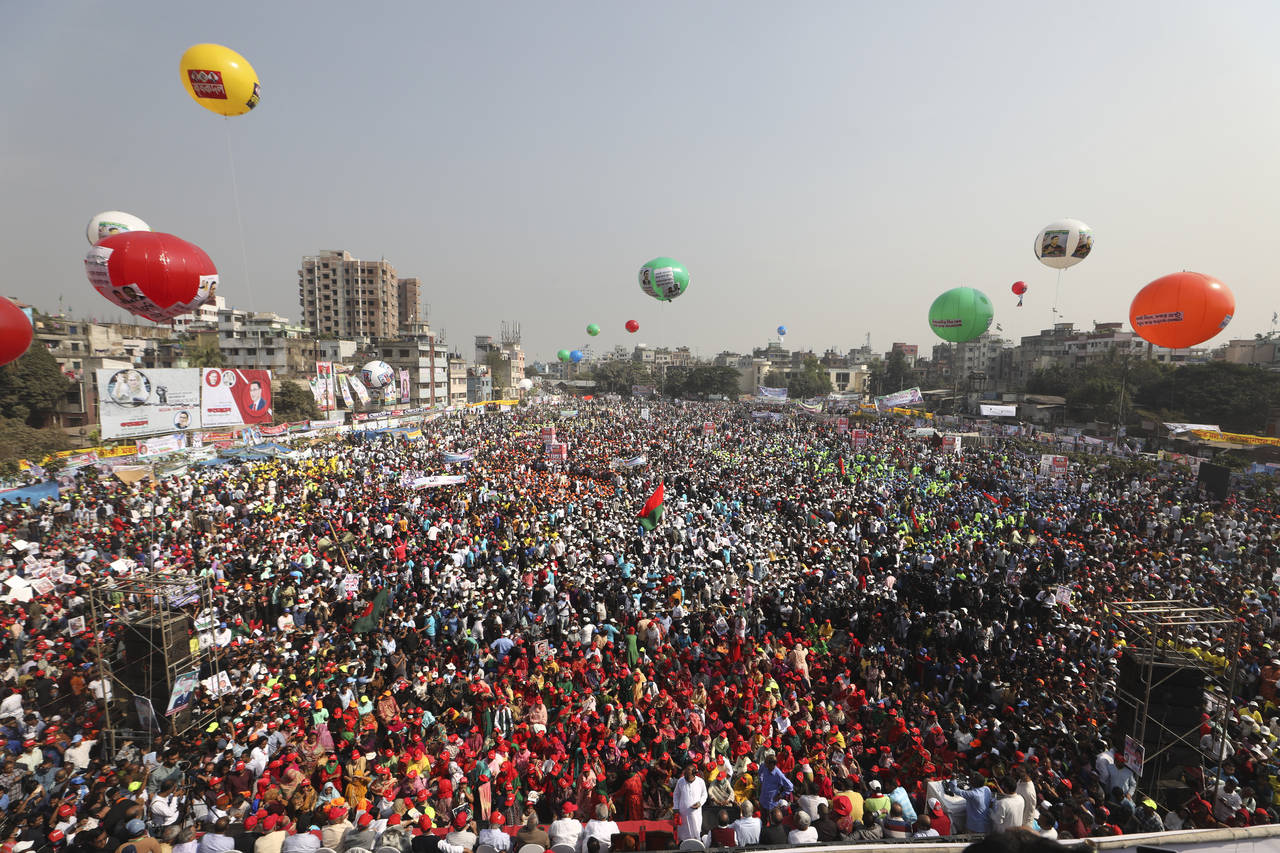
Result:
pixel 1054 244
pixel 235 397
pixel 1084 245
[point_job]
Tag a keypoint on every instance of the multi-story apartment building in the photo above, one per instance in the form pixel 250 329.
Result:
pixel 262 340
pixel 457 379
pixel 427 361
pixel 345 297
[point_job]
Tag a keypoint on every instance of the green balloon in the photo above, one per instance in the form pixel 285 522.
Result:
pixel 961 314
pixel 563 355
pixel 593 330
pixel 664 279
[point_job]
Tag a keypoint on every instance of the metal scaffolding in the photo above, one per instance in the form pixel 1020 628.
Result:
pixel 1158 633
pixel 160 612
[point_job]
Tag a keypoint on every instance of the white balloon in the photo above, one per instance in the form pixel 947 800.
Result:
pixel 377 374
pixel 113 222
pixel 1064 243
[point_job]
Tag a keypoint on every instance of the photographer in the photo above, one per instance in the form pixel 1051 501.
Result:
pixel 166 806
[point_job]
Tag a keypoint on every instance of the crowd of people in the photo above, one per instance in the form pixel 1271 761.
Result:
pixel 818 642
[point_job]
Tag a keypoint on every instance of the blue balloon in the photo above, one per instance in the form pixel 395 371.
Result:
pixel 576 356
pixel 782 330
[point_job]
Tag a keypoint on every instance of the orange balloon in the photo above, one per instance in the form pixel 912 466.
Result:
pixel 1181 310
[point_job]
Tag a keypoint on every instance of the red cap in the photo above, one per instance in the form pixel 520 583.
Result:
pixel 366 819
pixel 56 837
pixel 460 820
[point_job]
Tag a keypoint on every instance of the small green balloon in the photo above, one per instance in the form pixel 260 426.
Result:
pixel 961 314
pixel 664 279
pixel 563 355
pixel 593 330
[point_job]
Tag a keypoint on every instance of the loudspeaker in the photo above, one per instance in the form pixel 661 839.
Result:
pixel 1177 704
pixel 1216 479
pixel 1174 685
pixel 147 658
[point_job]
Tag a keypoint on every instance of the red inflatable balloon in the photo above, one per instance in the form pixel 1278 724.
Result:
pixel 633 326
pixel 1019 288
pixel 154 275
pixel 1181 310
pixel 15 331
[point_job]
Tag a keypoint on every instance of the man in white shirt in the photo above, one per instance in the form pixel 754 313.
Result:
pixel 567 829
pixel 493 834
pixel 747 827
pixel 688 798
pixel 165 805
pixel 1227 803
pixel 12 705
pixel 803 833
pixel 1006 813
pixel 77 755
pixel 600 828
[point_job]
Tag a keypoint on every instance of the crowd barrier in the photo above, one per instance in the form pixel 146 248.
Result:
pixel 1252 839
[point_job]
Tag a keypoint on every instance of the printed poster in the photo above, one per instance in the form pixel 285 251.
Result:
pixel 137 402
pixel 235 397
pixel 362 393
pixel 346 391
pixel 184 688
pixel 324 373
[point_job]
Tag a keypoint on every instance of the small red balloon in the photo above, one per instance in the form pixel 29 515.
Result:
pixel 1019 288
pixel 154 275
pixel 633 326
pixel 15 332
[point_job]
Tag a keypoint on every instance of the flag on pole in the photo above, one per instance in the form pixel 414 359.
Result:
pixel 651 513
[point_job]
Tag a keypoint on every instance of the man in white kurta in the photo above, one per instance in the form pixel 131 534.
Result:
pixel 690 794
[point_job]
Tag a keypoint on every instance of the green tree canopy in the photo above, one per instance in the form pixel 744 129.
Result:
pixel 32 387
pixel 617 377
pixel 205 353
pixel 701 381
pixel 292 402
pixel 20 440
pixel 1237 397
pixel 812 381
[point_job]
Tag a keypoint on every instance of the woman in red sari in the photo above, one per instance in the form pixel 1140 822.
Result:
pixel 630 798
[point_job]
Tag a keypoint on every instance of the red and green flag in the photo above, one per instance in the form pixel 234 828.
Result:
pixel 651 513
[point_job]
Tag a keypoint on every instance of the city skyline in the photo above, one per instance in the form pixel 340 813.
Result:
pixel 874 158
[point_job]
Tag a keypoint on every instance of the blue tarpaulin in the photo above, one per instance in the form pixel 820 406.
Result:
pixel 34 494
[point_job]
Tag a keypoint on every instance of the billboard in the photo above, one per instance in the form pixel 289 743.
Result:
pixel 899 398
pixel 164 444
pixel 990 411
pixel 137 401
pixel 234 397
pixel 327 386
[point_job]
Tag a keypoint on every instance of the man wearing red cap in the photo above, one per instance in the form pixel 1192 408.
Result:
pixel 361 835
pixel 332 833
pixel 567 829
pixel 494 835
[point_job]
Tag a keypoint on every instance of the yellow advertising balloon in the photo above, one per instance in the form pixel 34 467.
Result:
pixel 219 79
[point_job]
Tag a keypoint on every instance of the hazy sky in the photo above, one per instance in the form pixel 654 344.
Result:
pixel 827 166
